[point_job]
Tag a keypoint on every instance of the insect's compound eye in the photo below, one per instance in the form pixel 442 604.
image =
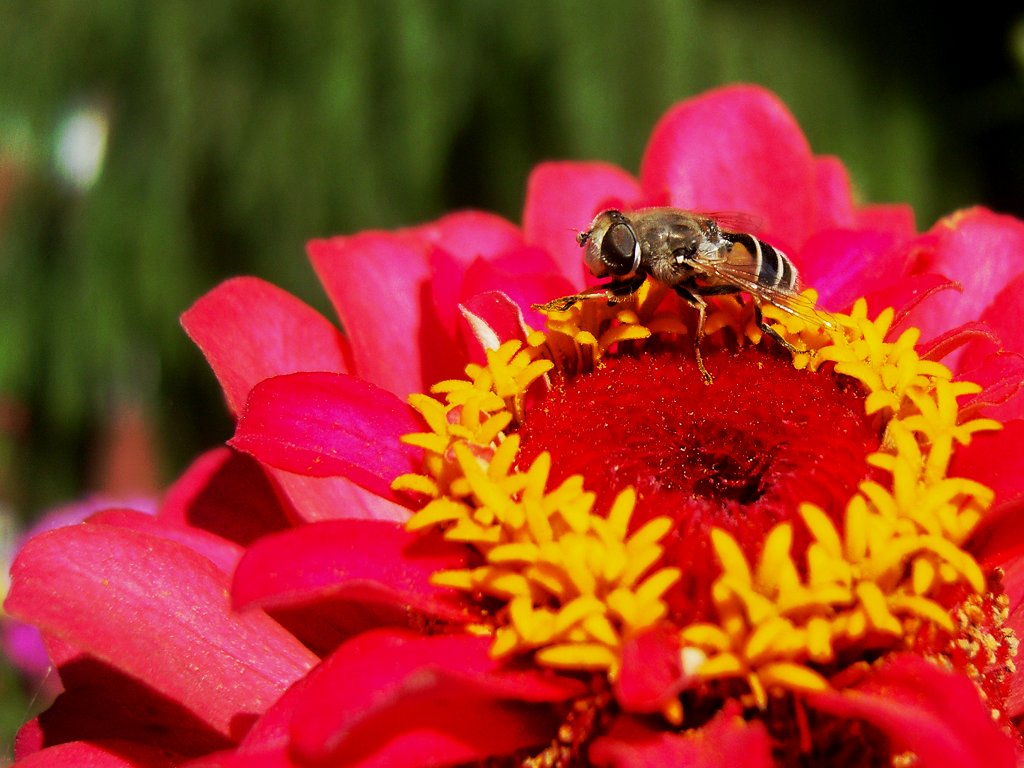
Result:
pixel 620 251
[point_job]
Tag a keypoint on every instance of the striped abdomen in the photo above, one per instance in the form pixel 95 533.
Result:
pixel 772 267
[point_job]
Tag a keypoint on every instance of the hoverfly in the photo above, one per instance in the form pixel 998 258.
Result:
pixel 694 256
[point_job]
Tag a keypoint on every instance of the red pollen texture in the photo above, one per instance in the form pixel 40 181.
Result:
pixel 739 454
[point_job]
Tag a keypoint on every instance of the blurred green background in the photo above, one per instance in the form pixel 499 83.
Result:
pixel 149 150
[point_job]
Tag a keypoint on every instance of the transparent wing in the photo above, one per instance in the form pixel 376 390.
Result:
pixel 734 221
pixel 738 267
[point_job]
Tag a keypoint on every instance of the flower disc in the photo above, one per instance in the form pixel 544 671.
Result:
pixel 741 454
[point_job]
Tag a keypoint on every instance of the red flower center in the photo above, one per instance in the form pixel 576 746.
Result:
pixel 741 454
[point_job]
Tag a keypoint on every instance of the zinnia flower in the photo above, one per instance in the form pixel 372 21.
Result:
pixel 476 532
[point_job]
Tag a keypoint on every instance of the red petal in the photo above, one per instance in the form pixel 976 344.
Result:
pixel 995 459
pixel 250 330
pixel 155 622
pixel 271 758
pixel 982 251
pixel 226 493
pixel 561 201
pixel 1013 584
pixel 335 578
pixel 100 754
pixel 935 714
pixel 389 698
pixel 377 282
pixel 726 741
pixel 735 149
pixel 324 424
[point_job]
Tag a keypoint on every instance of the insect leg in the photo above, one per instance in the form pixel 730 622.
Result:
pixel 770 331
pixel 617 291
pixel 689 294
pixel 613 292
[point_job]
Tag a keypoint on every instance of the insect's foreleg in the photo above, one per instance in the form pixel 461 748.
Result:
pixel 613 292
pixel 617 291
pixel 696 301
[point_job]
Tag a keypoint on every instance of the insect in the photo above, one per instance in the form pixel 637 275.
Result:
pixel 694 256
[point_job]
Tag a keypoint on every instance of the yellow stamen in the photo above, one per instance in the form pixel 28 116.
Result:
pixel 573 587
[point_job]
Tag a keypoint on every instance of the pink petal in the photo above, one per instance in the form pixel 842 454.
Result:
pixel 1005 316
pixel 468 235
pixel 527 276
pixel 936 714
pixel 378 283
pixel 982 251
pixel 29 739
pixel 651 673
pixel 447 274
pixel 233 495
pixel 563 198
pixel 946 344
pixel 100 754
pixel 396 699
pixel 726 741
pixel 834 198
pixel 250 330
pixel 460 240
pixel 86 585
pixel 272 731
pixel 904 295
pixel 897 219
pixel 330 498
pixel 735 149
pixel 839 264
pixel 328 580
pixel 324 424
pixel 221 552
pixel 384 289
pixel 226 493
pixel 491 318
pixel 1002 377
pixel 266 743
